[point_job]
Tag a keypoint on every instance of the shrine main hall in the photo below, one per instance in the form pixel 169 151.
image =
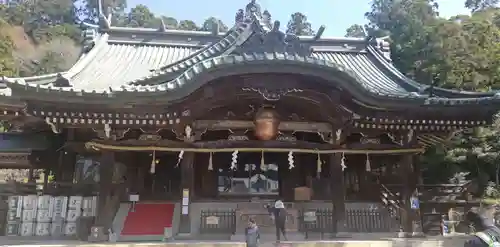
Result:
pixel 196 131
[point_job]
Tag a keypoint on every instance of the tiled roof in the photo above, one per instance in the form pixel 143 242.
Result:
pixel 142 62
pixel 371 76
pixel 116 63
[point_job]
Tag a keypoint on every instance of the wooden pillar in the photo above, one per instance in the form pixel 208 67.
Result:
pixel 187 190
pixel 68 165
pixel 337 190
pixel 410 217
pixel 106 169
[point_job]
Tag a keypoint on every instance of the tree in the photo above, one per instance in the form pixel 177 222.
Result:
pixel 355 31
pixel 141 16
pixel 89 9
pixel 213 22
pixel 480 5
pixel 7 67
pixel 187 25
pixel 170 22
pixel 298 25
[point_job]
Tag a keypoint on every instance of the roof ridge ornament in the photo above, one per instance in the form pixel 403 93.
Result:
pixel 104 21
pixel 162 27
pixel 267 37
pixel 253 8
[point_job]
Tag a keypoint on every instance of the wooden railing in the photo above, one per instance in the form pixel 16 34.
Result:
pixel 391 201
pixel 435 201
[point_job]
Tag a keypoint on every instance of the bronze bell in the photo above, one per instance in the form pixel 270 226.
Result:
pixel 266 124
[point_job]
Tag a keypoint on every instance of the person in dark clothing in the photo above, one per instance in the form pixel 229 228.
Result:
pixel 278 212
pixel 486 233
pixel 252 234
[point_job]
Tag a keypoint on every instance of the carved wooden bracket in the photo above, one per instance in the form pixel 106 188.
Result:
pixel 149 137
pixel 189 134
pixel 53 126
pixel 108 133
pixel 403 139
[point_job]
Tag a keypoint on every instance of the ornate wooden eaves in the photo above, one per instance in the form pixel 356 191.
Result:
pixel 57 119
pixel 284 126
pixel 428 125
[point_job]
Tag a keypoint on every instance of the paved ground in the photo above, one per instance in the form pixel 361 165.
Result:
pixel 368 241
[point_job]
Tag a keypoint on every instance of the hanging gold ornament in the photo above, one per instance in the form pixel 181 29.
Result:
pixel 266 124
pixel 210 163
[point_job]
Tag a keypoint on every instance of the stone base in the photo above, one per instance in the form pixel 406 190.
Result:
pixel 98 234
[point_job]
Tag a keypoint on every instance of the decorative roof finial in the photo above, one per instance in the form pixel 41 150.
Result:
pixel 240 16
pixel 104 22
pixel 253 8
pixel 319 32
pixel 162 28
pixel 266 18
pixel 215 28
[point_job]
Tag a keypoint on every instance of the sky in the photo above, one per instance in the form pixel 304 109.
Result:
pixel 336 15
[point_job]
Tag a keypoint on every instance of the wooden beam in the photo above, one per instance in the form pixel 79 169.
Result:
pixel 284 126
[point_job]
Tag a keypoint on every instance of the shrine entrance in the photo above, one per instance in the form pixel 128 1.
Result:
pixel 157 182
pixel 251 175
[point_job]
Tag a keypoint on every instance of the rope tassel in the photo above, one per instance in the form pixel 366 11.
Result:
pixel 367 164
pixel 262 162
pixel 319 163
pixel 210 163
pixel 152 170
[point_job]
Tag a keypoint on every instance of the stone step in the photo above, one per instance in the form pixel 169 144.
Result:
pixel 267 237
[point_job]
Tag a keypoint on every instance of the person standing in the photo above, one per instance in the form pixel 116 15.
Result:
pixel 252 234
pixel 278 212
pixel 486 233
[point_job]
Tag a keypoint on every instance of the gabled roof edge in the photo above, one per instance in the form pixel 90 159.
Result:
pixel 80 64
pixel 423 88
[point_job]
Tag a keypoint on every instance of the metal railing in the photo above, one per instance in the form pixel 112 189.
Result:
pixel 218 222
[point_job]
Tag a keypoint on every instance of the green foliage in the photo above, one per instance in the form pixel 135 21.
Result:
pixel 299 25
pixel 212 23
pixel 355 31
pixel 7 65
pixel 463 53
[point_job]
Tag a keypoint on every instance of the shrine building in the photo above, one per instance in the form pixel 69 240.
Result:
pixel 214 125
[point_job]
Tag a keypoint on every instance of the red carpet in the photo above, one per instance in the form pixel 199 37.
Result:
pixel 148 219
